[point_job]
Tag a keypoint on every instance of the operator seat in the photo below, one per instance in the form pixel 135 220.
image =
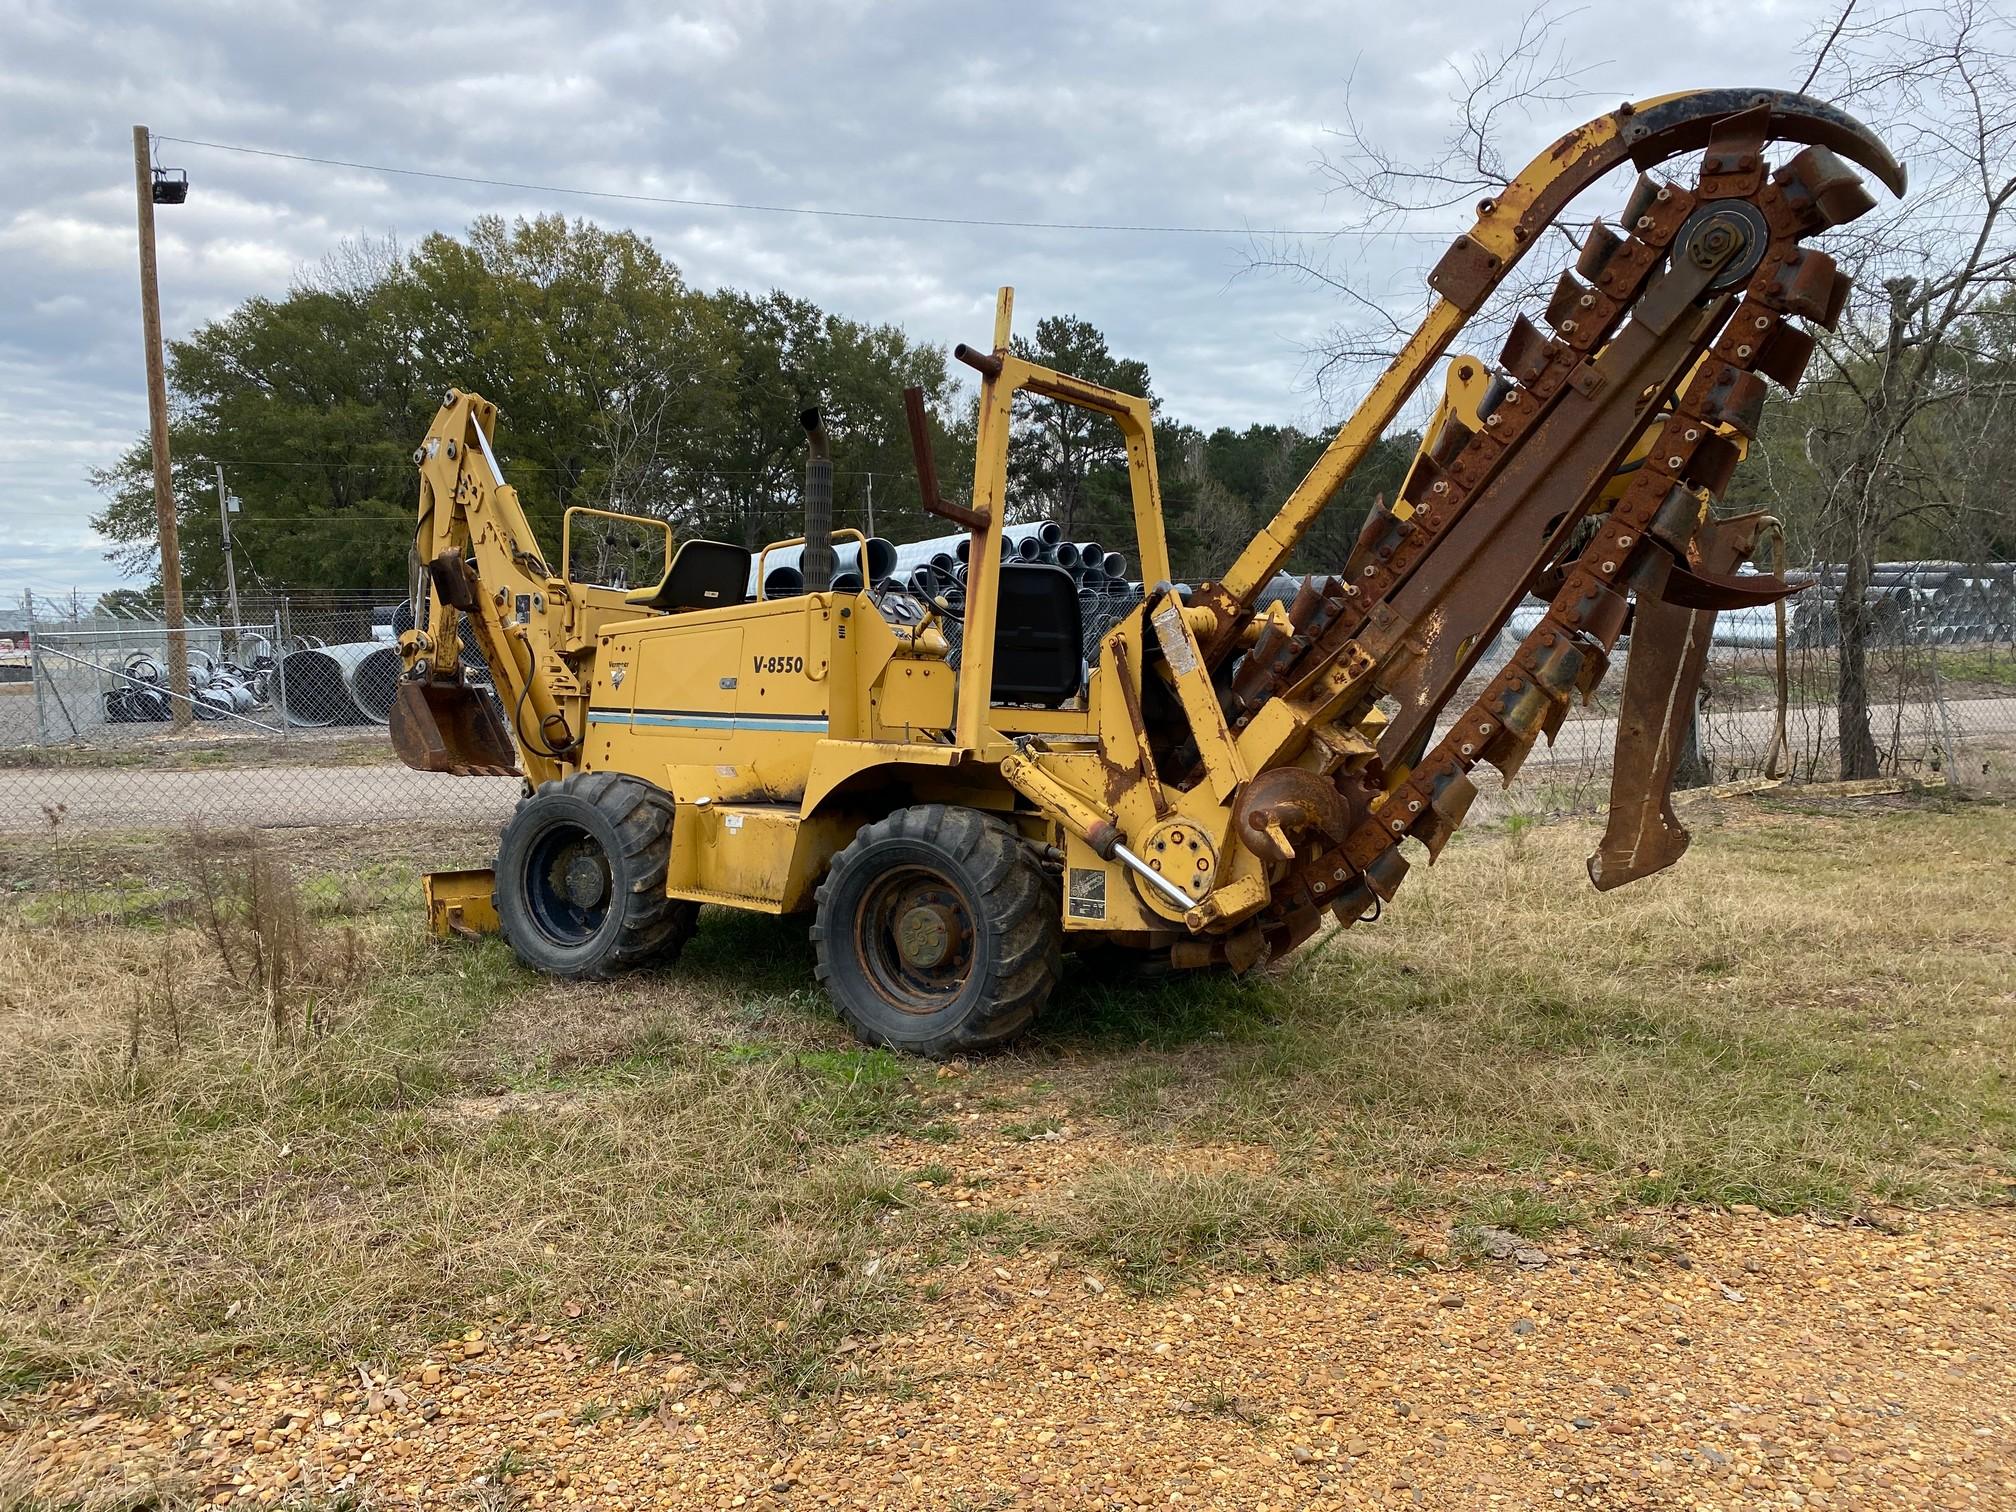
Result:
pixel 1039 650
pixel 703 575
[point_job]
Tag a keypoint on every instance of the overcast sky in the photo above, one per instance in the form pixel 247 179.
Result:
pixel 1182 112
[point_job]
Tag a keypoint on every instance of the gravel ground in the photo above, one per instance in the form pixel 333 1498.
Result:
pixel 1759 1361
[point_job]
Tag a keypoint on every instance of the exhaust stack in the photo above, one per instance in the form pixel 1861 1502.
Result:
pixel 817 562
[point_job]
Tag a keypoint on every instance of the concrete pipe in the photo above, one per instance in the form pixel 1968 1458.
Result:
pixel 317 687
pixel 1067 555
pixel 375 684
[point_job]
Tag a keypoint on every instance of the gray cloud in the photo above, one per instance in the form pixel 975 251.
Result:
pixel 1181 113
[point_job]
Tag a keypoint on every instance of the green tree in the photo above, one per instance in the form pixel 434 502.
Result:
pixel 619 386
pixel 1069 464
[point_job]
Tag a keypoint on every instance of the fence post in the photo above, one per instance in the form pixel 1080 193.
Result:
pixel 280 627
pixel 35 671
pixel 1949 732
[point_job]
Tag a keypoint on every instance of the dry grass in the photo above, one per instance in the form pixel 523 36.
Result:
pixel 1812 1011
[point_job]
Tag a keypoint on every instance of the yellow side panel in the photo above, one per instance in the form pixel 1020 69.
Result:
pixel 913 695
pixel 752 855
pixel 724 703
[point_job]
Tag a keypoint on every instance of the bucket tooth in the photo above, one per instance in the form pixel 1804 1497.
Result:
pixel 1822 190
pixel 1598 247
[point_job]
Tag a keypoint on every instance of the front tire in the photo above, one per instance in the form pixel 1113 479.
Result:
pixel 937 932
pixel 581 877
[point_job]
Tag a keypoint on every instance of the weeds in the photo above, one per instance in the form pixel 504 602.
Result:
pixel 251 910
pixel 1155 1230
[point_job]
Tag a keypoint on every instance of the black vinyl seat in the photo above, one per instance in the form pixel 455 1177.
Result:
pixel 703 575
pixel 1039 653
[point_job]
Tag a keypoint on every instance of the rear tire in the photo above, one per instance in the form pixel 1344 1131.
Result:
pixel 938 933
pixel 581 877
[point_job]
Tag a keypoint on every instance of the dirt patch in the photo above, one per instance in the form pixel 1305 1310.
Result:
pixel 1782 1361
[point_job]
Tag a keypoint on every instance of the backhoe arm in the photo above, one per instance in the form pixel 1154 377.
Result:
pixel 480 561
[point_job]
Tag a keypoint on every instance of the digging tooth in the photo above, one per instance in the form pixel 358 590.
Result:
pixel 1494 395
pixel 1454 437
pixel 1822 190
pixel 1713 463
pixel 1565 304
pixel 1352 906
pixel 1558 666
pixel 1595 667
pixel 1809 284
pixel 1643 193
pixel 1508 752
pixel 1525 352
pixel 1557 715
pixel 1783 354
pixel 1733 398
pixel 1598 248
pixel 1600 614
pixel 1678 518
pixel 1384 875
pixel 1448 809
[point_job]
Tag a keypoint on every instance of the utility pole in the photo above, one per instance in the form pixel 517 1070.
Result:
pixel 871 521
pixel 157 427
pixel 230 567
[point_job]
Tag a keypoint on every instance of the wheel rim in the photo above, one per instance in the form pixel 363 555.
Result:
pixel 568 885
pixel 915 939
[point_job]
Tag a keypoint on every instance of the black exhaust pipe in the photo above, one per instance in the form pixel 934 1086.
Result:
pixel 817 561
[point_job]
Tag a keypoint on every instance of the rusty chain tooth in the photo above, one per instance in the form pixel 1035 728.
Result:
pixel 1643 192
pixel 1729 396
pixel 1821 191
pixel 1598 247
pixel 1809 284
pixel 1525 352
pixel 1733 165
pixel 1567 302
pixel 1454 437
pixel 1782 354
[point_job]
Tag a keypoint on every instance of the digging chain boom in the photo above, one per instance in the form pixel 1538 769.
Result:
pixel 1667 329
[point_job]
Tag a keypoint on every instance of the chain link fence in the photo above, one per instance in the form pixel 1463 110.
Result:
pixel 284 722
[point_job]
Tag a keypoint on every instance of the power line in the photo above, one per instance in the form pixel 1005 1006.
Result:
pixel 860 215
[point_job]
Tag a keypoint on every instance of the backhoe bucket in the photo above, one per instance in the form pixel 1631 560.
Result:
pixel 445 727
